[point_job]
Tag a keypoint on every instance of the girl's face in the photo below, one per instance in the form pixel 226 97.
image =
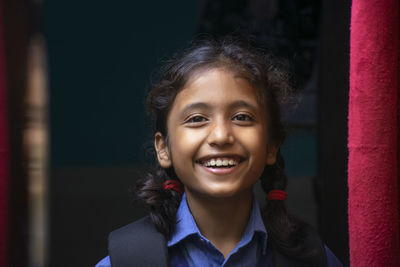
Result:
pixel 218 136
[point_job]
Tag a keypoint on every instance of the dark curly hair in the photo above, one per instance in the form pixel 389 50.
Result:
pixel 265 73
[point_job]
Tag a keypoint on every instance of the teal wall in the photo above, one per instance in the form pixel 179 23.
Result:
pixel 300 153
pixel 101 56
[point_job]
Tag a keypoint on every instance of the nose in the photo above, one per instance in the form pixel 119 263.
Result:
pixel 220 134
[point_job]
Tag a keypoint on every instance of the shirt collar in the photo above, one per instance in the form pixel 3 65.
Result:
pixel 186 226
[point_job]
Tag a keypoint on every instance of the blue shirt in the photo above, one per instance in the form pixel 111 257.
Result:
pixel 199 251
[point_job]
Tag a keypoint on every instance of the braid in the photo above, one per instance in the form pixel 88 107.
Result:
pixel 277 171
pixel 286 231
pixel 163 203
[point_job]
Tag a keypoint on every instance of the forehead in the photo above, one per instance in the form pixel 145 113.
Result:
pixel 219 87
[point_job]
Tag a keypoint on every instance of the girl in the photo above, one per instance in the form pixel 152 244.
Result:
pixel 217 131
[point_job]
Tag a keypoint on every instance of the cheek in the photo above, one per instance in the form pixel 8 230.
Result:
pixel 184 144
pixel 254 139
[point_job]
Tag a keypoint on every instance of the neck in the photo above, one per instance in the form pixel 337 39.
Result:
pixel 221 220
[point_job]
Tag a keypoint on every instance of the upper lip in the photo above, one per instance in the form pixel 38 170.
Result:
pixel 237 157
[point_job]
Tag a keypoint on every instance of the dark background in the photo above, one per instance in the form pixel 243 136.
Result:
pixel 101 57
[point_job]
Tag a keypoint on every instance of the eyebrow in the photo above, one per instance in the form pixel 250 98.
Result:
pixel 203 105
pixel 195 105
pixel 242 103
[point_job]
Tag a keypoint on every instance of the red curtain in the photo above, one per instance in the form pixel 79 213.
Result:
pixel 3 149
pixel 373 134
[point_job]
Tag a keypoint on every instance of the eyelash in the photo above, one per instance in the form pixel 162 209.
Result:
pixel 197 119
pixel 193 119
pixel 247 117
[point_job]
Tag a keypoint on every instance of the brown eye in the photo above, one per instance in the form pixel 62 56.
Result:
pixel 243 117
pixel 196 119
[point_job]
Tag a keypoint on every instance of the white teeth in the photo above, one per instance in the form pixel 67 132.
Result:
pixel 221 162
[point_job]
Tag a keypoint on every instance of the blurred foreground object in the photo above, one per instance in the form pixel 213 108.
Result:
pixel 36 151
pixel 373 134
pixel 4 150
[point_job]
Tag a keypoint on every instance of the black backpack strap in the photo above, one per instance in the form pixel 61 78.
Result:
pixel 313 243
pixel 138 244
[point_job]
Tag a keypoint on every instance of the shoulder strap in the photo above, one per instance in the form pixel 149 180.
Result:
pixel 138 244
pixel 313 242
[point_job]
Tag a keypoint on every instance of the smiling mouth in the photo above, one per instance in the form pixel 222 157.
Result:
pixel 220 162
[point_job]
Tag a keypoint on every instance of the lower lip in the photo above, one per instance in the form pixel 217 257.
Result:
pixel 220 171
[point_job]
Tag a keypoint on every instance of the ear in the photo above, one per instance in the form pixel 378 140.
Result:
pixel 271 154
pixel 163 154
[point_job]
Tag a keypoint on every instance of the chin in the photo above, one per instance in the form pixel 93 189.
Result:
pixel 222 194
pixel 223 191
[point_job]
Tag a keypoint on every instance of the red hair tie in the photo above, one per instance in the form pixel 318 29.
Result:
pixel 173 185
pixel 276 195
